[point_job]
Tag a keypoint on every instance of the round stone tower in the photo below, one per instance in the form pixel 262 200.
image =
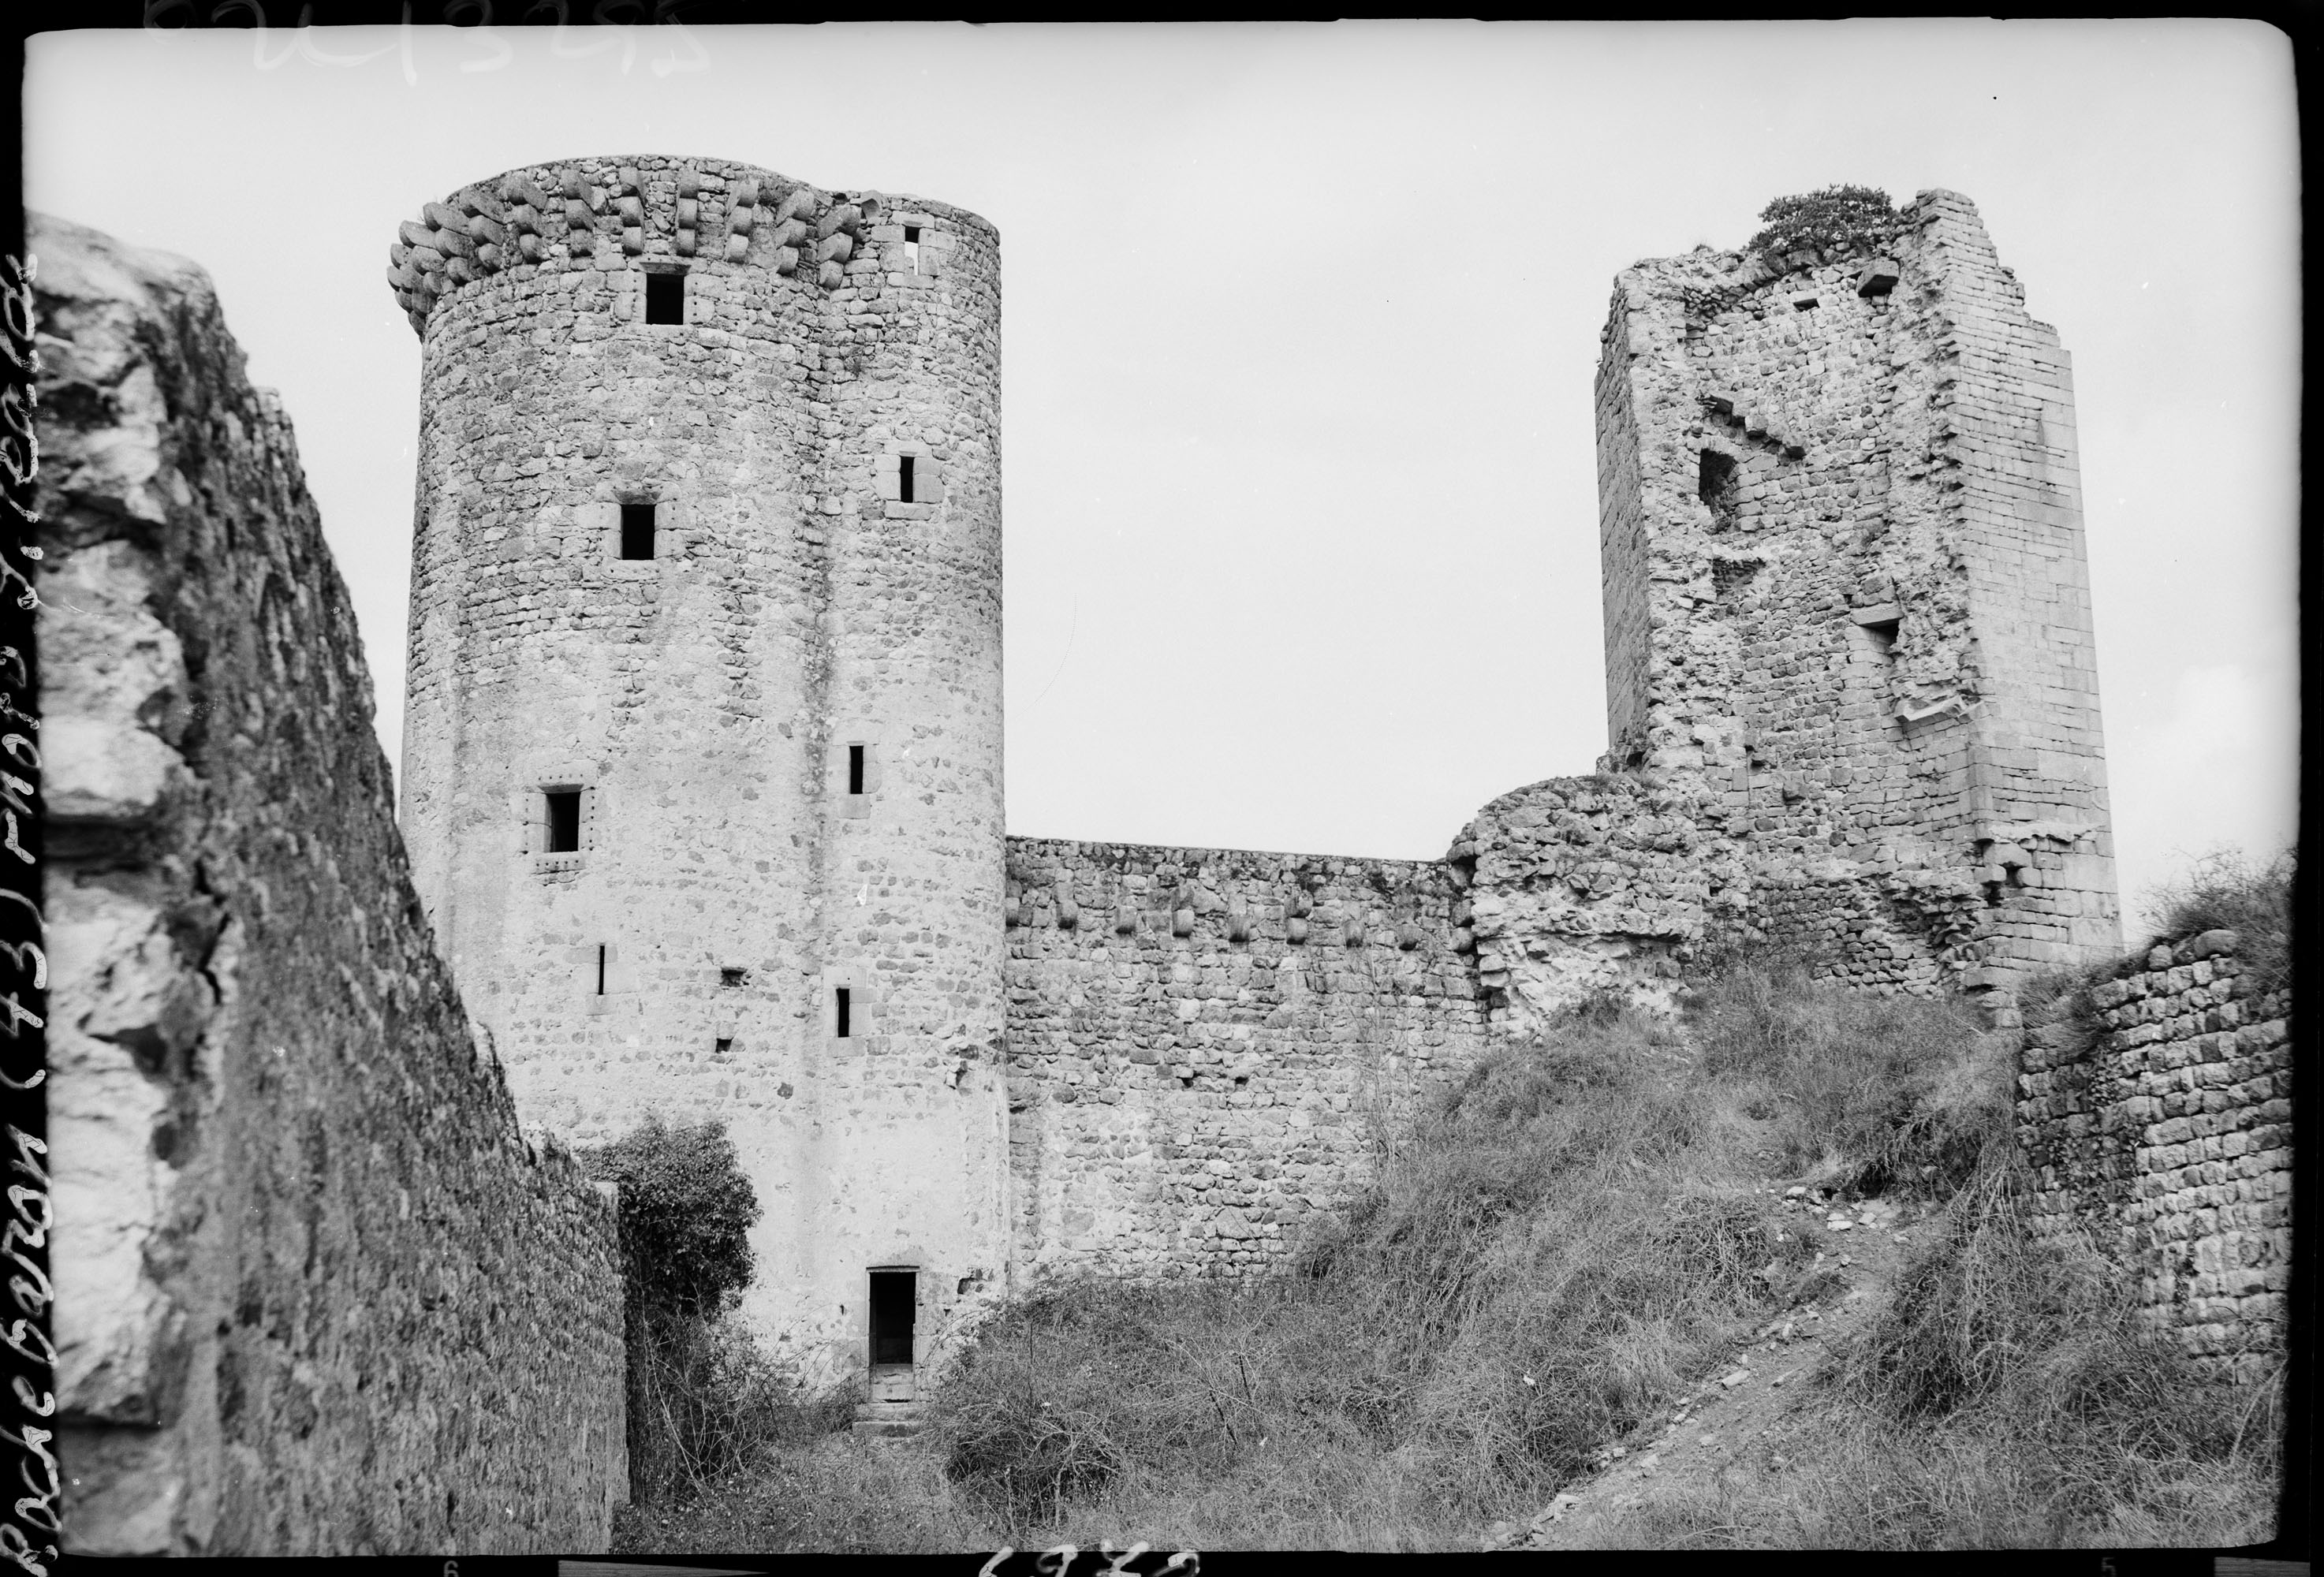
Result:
pixel 702 775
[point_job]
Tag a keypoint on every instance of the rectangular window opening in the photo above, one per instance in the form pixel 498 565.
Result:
pixel 600 969
pixel 1711 476
pixel 893 1293
pixel 563 820
pixel 855 767
pixel 1804 303
pixel 665 296
pixel 839 1001
pixel 904 478
pixel 730 977
pixel 638 530
pixel 725 1043
pixel 912 248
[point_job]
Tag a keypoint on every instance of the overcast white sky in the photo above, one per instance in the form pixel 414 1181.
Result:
pixel 1301 322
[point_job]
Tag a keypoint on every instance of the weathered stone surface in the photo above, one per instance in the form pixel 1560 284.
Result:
pixel 2159 1130
pixel 704 702
pixel 315 1293
pixel 1847 631
pixel 1583 885
pixel 1856 776
pixel 1182 1100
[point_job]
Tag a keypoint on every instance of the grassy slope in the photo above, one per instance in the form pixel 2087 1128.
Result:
pixel 1583 1229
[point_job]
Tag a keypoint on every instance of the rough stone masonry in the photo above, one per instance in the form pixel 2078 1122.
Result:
pixel 703 795
pixel 703 769
pixel 314 1292
pixel 2157 1116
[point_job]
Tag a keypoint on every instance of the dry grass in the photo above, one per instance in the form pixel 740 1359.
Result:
pixel 2005 1400
pixel 705 1402
pixel 2228 891
pixel 1894 1093
pixel 830 1493
pixel 1579 1229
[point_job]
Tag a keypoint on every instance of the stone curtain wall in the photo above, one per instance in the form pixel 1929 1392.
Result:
pixel 687 958
pixel 1203 1041
pixel 2163 1128
pixel 315 1293
pixel 1846 602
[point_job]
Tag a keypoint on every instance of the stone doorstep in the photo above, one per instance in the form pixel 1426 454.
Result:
pixel 891 1382
pixel 887 1420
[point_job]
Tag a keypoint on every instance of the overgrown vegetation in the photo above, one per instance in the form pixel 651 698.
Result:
pixel 2225 889
pixel 2005 1398
pixel 1578 1228
pixel 1567 1240
pixel 1834 218
pixel 703 1401
pixel 2228 891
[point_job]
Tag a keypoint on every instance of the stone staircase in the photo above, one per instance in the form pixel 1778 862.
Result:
pixel 887 1420
pixel 892 1413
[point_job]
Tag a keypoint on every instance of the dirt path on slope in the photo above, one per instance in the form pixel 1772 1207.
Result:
pixel 1730 1414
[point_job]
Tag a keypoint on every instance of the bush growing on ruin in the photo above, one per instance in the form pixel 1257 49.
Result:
pixel 2228 891
pixel 1833 218
pixel 686 1210
pixel 704 1400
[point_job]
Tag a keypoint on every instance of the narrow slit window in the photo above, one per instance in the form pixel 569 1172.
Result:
pixel 600 969
pixel 855 768
pixel 904 478
pixel 665 298
pixel 839 1002
pixel 638 530
pixel 912 248
pixel 563 820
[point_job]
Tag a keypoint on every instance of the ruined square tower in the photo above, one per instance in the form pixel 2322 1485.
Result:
pixel 1847 603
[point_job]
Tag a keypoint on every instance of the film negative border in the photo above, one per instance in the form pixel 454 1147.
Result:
pixel 29 1531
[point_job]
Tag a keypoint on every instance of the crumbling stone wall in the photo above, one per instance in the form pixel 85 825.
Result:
pixel 1202 1043
pixel 1588 885
pixel 1847 603
pixel 315 1293
pixel 2158 1119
